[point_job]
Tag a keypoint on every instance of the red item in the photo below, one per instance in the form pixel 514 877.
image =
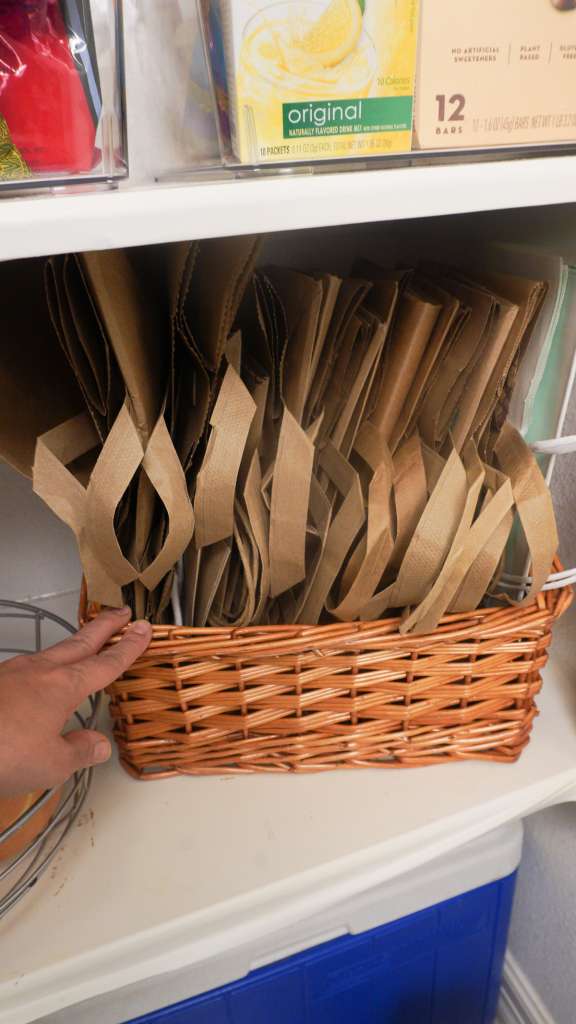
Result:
pixel 41 92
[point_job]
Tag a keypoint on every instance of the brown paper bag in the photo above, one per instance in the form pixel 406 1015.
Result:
pixel 214 499
pixel 354 342
pixel 259 522
pixel 235 473
pixel 139 336
pixel 440 409
pixel 451 320
pixel 484 568
pixel 263 321
pixel 92 364
pixel 342 532
pixel 331 287
pixel 370 559
pixel 190 585
pixel 212 292
pixel 415 321
pixel 528 296
pixel 215 561
pixel 350 298
pixel 319 522
pixel 435 602
pixel 301 297
pixel 190 386
pixel 430 544
pixel 481 373
pixel 56 449
pixel 235 602
pixel 426 618
pixel 356 384
pixel 289 506
pixel 79 328
pixel 410 495
pixel 468 404
pixel 91 512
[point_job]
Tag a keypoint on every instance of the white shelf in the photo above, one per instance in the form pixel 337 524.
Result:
pixel 159 876
pixel 46 224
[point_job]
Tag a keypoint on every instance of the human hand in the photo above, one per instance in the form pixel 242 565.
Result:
pixel 40 692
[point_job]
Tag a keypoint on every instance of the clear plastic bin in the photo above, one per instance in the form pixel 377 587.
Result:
pixel 218 119
pixel 61 93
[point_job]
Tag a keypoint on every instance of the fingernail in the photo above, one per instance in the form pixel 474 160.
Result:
pixel 122 611
pixel 141 628
pixel 102 751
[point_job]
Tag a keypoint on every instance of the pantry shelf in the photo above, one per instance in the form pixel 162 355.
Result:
pixel 42 225
pixel 158 877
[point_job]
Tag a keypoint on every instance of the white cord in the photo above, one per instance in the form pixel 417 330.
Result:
pixel 527 580
pixel 176 602
pixel 554 582
pixel 556 446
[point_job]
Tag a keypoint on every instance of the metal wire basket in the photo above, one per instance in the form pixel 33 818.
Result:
pixel 27 624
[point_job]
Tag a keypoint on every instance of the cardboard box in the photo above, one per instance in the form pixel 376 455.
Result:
pixel 315 79
pixel 496 74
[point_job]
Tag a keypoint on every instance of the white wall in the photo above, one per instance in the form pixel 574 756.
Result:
pixel 38 557
pixel 543 932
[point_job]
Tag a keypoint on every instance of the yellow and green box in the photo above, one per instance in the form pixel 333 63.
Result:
pixel 319 79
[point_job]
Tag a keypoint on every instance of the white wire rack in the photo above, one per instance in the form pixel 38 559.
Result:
pixel 20 874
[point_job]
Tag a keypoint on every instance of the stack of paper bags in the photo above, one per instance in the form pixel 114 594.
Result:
pixel 544 384
pixel 358 461
pixel 107 391
pixel 305 447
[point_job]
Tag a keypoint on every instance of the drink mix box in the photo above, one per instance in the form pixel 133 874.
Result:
pixel 313 79
pixel 496 73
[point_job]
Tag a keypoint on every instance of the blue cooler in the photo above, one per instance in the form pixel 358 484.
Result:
pixel 427 948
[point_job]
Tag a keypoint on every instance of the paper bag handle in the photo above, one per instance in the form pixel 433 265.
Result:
pixel 164 470
pixel 91 512
pixel 371 557
pixel 289 505
pixel 65 495
pixel 230 421
pixel 533 502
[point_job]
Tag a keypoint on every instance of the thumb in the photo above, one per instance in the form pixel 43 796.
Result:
pixel 87 748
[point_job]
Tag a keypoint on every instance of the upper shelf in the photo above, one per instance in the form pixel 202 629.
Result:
pixel 40 225
pixel 164 875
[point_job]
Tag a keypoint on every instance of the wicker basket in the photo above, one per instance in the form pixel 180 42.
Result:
pixel 295 698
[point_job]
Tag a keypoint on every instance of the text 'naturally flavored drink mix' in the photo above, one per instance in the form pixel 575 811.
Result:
pixel 319 79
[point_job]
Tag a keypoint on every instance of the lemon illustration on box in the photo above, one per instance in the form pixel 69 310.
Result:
pixel 319 79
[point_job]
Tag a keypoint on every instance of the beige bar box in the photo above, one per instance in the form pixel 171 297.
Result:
pixel 496 73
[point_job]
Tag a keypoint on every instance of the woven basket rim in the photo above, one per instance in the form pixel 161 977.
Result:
pixel 557 601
